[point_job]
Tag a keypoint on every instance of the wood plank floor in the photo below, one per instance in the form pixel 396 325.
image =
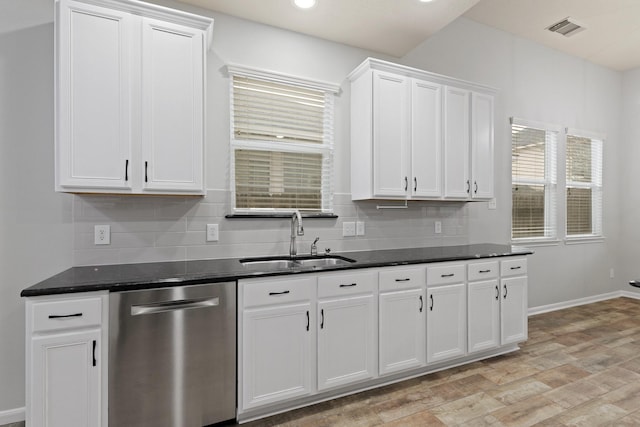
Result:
pixel 580 367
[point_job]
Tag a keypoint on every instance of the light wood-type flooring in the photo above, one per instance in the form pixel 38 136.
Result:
pixel 580 367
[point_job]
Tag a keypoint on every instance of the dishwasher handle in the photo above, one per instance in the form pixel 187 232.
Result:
pixel 165 306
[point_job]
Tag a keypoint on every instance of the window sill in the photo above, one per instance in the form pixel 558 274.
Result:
pixel 535 242
pixel 583 240
pixel 274 215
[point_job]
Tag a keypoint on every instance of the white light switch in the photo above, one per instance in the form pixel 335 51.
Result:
pixel 360 228
pixel 348 229
pixel 438 227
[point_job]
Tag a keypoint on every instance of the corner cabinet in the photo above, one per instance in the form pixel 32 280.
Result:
pixel 66 362
pixel 419 136
pixel 130 84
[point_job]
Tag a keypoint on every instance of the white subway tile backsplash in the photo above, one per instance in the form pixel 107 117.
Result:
pixel 151 229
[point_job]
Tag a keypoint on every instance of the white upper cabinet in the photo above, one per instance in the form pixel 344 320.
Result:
pixel 129 98
pixel 419 136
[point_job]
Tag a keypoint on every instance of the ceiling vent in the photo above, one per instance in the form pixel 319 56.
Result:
pixel 567 27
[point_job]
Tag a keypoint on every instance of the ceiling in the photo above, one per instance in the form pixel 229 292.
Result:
pixel 395 27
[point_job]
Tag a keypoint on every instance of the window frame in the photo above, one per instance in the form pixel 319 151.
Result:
pixel 326 149
pixel 550 181
pixel 597 187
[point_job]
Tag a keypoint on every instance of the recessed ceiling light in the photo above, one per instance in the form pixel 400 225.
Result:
pixel 425 1
pixel 304 4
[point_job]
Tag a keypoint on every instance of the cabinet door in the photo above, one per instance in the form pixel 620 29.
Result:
pixel 93 141
pixel 482 145
pixel 446 322
pixel 346 341
pixel 457 184
pixel 483 315
pixel 390 135
pixel 65 380
pixel 514 310
pixel 172 107
pixel 402 330
pixel 276 354
pixel 426 139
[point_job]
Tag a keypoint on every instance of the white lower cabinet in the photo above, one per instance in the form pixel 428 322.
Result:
pixel 483 291
pixel 402 324
pixel 276 341
pixel 514 302
pixel 347 328
pixel 67 360
pixel 446 322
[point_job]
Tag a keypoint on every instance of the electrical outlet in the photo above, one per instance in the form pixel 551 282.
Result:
pixel 102 234
pixel 348 229
pixel 438 227
pixel 360 228
pixel 212 232
pixel 492 204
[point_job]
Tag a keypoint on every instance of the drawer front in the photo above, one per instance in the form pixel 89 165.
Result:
pixel 483 270
pixel 278 291
pixel 513 267
pixel 445 274
pixel 331 285
pixel 66 314
pixel 392 279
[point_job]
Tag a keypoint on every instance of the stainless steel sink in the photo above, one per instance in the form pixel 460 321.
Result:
pixel 286 263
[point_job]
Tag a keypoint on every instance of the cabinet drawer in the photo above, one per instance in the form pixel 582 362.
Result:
pixel 444 274
pixel 278 291
pixel 513 267
pixel 392 279
pixel 66 314
pixel 330 285
pixel 482 270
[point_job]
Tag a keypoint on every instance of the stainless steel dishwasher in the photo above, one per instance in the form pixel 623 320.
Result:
pixel 172 356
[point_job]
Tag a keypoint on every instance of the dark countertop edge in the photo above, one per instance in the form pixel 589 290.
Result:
pixel 196 279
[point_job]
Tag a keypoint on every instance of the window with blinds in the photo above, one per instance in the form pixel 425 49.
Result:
pixel 583 185
pixel 533 177
pixel 282 145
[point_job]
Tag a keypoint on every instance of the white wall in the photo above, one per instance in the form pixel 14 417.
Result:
pixel 541 84
pixel 35 223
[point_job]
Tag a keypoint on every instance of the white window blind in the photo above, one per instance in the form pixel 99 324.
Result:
pixel 583 185
pixel 534 180
pixel 282 144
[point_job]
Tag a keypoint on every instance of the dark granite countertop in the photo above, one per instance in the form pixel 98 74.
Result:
pixel 126 277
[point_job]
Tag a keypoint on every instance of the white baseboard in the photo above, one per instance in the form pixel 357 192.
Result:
pixel 12 416
pixel 581 301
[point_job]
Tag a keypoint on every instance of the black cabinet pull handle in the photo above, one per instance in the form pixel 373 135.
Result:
pixel 146 167
pixel 403 280
pixel 447 275
pixel 475 184
pixel 505 291
pixel 497 293
pixel 348 286
pixel 406 183
pixel 431 298
pixel 279 293
pixel 94 353
pixel 468 187
pixel 307 320
pixel 415 184
pixel 421 304
pixel 484 271
pixel 516 268
pixel 322 319
pixel 64 316
pixel 126 170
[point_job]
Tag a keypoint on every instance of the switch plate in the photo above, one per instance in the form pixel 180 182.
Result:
pixel 348 229
pixel 437 227
pixel 492 203
pixel 102 234
pixel 360 228
pixel 212 232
